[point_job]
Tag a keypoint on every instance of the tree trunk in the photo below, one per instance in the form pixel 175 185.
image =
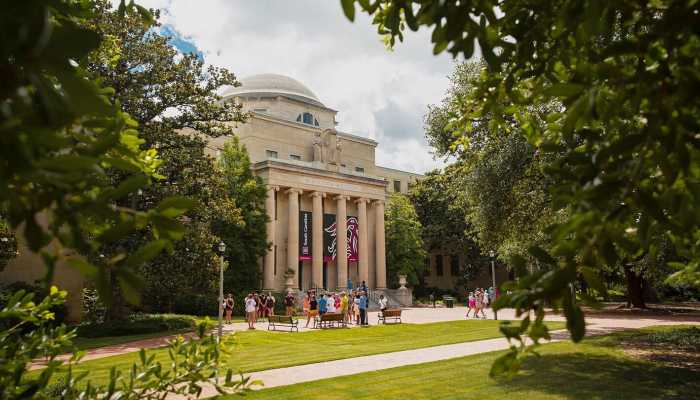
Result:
pixel 635 288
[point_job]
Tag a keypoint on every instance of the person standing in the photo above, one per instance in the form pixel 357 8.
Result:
pixel 322 305
pixel 344 306
pixel 270 304
pixel 471 304
pixel 289 304
pixel 313 309
pixel 228 307
pixel 363 309
pixel 330 304
pixel 307 303
pixel 432 299
pixel 250 310
pixel 356 308
pixel 383 302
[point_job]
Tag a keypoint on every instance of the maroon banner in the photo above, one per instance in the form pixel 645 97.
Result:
pixel 305 235
pixel 353 234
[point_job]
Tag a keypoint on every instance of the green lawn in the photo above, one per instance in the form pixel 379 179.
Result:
pixel 260 350
pixel 595 369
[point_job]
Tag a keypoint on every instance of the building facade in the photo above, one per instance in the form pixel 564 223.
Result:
pixel 320 182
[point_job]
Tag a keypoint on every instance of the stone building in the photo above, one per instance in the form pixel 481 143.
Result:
pixel 320 181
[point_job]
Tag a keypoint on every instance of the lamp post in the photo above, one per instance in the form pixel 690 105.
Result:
pixel 493 281
pixel 222 250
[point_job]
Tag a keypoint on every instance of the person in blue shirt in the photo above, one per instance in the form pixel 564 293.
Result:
pixel 322 305
pixel 363 309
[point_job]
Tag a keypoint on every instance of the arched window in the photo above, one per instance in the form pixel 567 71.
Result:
pixel 307 118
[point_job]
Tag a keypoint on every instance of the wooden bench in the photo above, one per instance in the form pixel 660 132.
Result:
pixel 330 320
pixel 393 314
pixel 284 321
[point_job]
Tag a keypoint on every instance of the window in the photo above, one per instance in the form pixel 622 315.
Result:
pixel 454 265
pixel 397 186
pixel 438 265
pixel 294 157
pixel 359 169
pixel 271 153
pixel 307 118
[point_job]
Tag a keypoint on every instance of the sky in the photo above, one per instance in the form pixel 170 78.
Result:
pixel 378 93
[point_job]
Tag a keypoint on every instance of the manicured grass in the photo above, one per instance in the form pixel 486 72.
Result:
pixel 595 369
pixel 260 350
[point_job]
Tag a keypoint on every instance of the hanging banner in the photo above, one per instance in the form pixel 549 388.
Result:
pixel 352 238
pixel 329 237
pixel 305 235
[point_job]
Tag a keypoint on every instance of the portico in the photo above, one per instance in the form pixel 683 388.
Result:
pixel 294 188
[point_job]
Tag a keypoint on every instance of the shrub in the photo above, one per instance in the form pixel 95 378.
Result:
pixel 138 324
pixel 59 310
pixel 94 310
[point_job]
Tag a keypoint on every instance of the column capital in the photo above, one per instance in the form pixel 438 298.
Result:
pixel 293 190
pixel 341 197
pixel 361 200
pixel 378 203
pixel 318 194
pixel 273 187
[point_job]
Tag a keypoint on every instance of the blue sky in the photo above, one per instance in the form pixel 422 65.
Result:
pixel 379 94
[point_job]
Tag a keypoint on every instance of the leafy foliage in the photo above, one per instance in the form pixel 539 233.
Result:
pixel 59 136
pixel 624 143
pixel 8 244
pixel 246 243
pixel 174 99
pixel 405 251
pixel 28 336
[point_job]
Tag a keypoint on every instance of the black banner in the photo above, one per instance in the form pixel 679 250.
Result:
pixel 329 234
pixel 305 235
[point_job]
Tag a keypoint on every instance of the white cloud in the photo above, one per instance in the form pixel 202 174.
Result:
pixel 344 63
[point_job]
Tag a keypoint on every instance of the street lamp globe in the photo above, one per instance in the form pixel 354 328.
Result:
pixel 492 254
pixel 222 247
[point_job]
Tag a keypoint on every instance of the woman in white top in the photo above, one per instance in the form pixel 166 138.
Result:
pixel 250 310
pixel 330 304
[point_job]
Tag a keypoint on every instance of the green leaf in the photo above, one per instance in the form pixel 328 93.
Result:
pixel 591 276
pixel 542 255
pixel 564 89
pixel 348 9
pixel 84 267
pixel 507 364
pixel 145 253
pixel 174 206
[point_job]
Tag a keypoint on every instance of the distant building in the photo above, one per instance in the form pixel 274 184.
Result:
pixel 316 176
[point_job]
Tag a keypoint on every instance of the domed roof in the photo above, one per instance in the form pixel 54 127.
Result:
pixel 274 84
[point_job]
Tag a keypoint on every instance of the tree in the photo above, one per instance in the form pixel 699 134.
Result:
pixel 59 135
pixel 440 204
pixel 405 251
pixel 175 101
pixel 626 140
pixel 246 243
pixel 8 244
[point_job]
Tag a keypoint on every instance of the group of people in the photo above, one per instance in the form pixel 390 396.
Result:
pixel 352 305
pixel 257 305
pixel 478 300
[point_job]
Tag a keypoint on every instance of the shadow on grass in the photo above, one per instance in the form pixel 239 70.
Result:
pixel 585 376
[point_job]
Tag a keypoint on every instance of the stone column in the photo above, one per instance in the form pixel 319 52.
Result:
pixel 363 264
pixel 293 235
pixel 269 267
pixel 380 267
pixel 341 259
pixel 317 245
